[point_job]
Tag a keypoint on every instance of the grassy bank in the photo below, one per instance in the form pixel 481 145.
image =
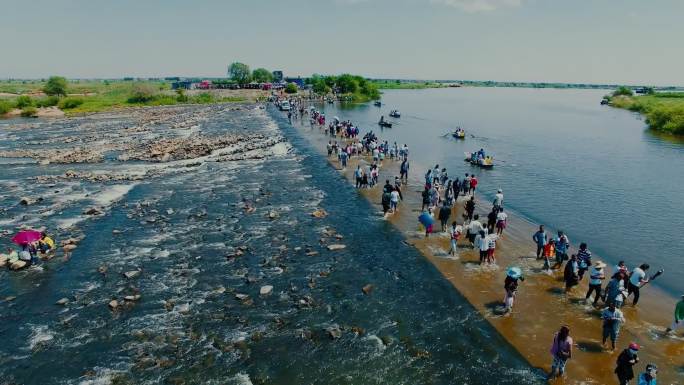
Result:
pixel 663 111
pixel 96 96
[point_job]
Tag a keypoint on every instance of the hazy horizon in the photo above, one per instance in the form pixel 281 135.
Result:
pixel 538 41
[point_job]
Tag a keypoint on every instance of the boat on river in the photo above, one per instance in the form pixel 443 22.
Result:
pixel 384 123
pixel 487 162
pixel 459 133
pixel 395 114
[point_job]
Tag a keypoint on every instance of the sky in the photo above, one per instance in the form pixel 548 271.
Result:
pixel 574 41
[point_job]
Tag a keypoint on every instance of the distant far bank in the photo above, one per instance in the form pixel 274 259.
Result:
pixel 421 84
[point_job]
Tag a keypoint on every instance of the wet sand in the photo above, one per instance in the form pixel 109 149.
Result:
pixel 541 306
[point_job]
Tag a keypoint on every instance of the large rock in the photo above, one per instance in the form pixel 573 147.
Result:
pixel 92 211
pixel 334 332
pixel 113 304
pixel 266 290
pixel 132 274
pixel 336 246
pixel 18 265
pixel 63 301
pixel 27 201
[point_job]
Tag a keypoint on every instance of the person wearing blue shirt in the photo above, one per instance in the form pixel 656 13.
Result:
pixel 541 239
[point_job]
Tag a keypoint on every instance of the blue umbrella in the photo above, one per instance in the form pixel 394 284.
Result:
pixel 426 219
pixel 514 272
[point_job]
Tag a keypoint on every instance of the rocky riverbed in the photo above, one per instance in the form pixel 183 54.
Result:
pixel 209 244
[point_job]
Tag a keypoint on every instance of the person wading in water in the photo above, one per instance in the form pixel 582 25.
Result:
pixel 561 351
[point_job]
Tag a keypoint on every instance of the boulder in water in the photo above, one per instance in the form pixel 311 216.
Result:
pixel 319 213
pixel 92 211
pixel 334 331
pixel 337 246
pixel 266 290
pixel 63 301
pixel 367 289
pixel 113 304
pixel 132 274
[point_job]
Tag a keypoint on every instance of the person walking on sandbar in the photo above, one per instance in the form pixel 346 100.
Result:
pixel 625 362
pixel 613 319
pixel 541 240
pixel 637 279
pixel 561 351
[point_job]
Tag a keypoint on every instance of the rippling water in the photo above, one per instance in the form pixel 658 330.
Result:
pixel 563 160
pixel 182 229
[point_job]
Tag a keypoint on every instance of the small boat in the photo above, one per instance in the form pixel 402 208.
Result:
pixel 395 114
pixel 486 163
pixel 458 134
pixel 331 101
pixel 377 103
pixel 382 123
pixel 604 102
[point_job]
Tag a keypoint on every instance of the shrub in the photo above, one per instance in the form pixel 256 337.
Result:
pixel 56 85
pixel 204 98
pixel 181 97
pixel 142 93
pixel 5 107
pixel 47 102
pixel 623 91
pixel 23 101
pixel 29 112
pixel 291 88
pixel 70 103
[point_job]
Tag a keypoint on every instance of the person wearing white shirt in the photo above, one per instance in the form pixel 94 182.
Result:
pixel 596 277
pixel 501 221
pixel 482 244
pixel 637 279
pixel 498 200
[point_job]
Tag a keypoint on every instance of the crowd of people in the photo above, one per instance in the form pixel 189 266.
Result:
pixel 440 195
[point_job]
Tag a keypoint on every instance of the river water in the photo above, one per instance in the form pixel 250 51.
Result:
pixel 563 160
pixel 183 226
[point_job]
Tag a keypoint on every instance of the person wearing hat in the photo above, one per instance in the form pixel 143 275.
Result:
pixel 596 277
pixel 613 319
pixel 625 362
pixel 678 316
pixel 511 286
pixel 649 376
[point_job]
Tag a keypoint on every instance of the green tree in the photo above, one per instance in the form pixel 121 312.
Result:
pixel 347 84
pixel 262 75
pixel 239 72
pixel 623 91
pixel 291 88
pixel 56 85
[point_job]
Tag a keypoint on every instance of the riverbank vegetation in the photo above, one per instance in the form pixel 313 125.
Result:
pixel 78 97
pixel 406 85
pixel 663 111
pixel 350 87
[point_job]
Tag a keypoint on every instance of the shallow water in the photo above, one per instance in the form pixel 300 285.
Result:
pixel 563 160
pixel 182 227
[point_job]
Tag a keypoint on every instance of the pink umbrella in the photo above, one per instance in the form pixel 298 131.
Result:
pixel 26 236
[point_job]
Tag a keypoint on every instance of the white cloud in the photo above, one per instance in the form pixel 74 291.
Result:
pixel 478 5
